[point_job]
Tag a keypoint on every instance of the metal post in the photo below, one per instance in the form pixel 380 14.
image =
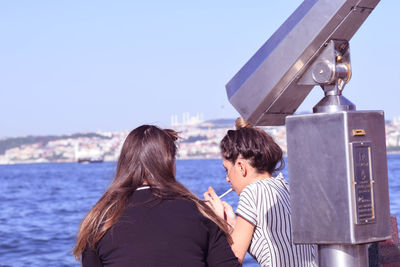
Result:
pixel 337 155
pixel 343 255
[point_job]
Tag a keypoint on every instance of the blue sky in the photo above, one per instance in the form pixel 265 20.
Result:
pixel 73 66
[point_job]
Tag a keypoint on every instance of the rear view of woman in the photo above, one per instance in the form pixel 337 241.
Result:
pixel 147 218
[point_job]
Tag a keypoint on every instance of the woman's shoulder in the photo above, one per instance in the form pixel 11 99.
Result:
pixel 278 179
pixel 187 211
pixel 173 205
pixel 265 184
pixel 183 203
pixel 149 196
pixel 187 207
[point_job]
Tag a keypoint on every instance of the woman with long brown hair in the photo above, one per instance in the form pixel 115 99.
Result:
pixel 147 218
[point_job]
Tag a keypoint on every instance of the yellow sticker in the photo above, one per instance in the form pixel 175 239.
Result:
pixel 358 132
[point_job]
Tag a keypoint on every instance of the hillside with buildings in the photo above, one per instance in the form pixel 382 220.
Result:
pixel 198 140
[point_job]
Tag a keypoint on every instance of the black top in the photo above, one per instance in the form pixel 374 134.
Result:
pixel 154 232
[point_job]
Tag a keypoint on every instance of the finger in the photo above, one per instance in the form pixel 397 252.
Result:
pixel 229 215
pixel 210 189
pixel 212 192
pixel 228 210
pixel 208 203
pixel 207 196
pixel 226 206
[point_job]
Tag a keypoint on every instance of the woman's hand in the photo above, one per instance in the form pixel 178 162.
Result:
pixel 214 202
pixel 221 208
pixel 229 215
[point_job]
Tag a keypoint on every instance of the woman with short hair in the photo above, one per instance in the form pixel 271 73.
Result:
pixel 263 223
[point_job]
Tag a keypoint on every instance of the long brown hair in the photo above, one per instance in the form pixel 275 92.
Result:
pixel 254 145
pixel 147 157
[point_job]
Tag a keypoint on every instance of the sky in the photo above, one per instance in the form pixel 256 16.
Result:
pixel 71 66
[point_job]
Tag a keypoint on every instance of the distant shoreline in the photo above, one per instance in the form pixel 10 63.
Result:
pixel 183 159
pixel 197 142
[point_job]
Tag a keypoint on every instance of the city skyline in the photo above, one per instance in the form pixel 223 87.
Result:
pixel 69 67
pixel 186 119
pixel 196 140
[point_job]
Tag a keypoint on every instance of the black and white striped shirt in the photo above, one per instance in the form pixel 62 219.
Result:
pixel 266 204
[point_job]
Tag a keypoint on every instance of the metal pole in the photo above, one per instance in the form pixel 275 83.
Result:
pixel 343 255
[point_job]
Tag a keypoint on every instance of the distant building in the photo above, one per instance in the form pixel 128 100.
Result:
pixel 187 119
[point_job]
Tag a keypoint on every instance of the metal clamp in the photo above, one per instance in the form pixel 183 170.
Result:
pixel 331 70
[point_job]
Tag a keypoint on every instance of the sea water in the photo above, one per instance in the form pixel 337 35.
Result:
pixel 43 204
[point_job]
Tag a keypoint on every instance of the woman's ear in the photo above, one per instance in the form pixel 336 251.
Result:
pixel 241 164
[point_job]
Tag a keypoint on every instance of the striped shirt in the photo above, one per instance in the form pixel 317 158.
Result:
pixel 266 204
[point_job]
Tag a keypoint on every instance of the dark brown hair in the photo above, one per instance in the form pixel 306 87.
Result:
pixel 254 145
pixel 147 156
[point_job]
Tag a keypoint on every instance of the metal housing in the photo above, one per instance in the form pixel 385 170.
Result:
pixel 266 89
pixel 338 177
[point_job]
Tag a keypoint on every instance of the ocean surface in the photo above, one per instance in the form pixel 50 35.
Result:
pixel 43 204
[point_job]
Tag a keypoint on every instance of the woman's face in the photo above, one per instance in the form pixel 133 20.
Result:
pixel 234 176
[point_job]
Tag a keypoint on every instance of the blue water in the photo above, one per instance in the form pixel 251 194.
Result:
pixel 43 204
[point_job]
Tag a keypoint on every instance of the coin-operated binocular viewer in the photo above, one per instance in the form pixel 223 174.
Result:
pixel 336 155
